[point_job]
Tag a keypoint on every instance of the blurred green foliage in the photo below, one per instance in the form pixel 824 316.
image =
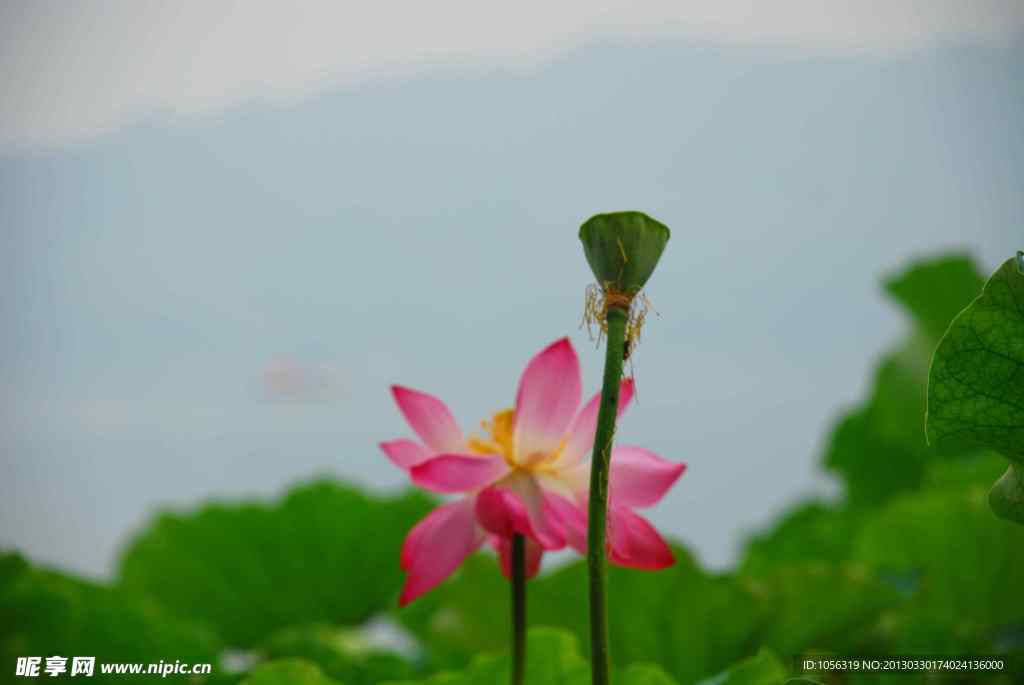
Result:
pixel 683 618
pixel 288 672
pixel 554 659
pixel 326 552
pixel 43 613
pixel 342 654
pixel 763 668
pixel 879 448
pixel 908 559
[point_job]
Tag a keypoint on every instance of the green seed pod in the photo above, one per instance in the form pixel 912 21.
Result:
pixel 622 249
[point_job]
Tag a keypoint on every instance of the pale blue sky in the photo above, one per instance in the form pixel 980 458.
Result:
pixel 421 228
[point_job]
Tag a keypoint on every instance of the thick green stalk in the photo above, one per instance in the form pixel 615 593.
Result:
pixel 599 495
pixel 518 609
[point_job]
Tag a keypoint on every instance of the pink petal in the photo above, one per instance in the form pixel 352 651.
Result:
pixel 503 546
pixel 574 478
pixel 548 396
pixel 546 526
pixel 573 520
pixel 430 418
pixel 501 513
pixel 633 542
pixel 436 546
pixel 517 505
pixel 581 434
pixel 639 477
pixel 458 472
pixel 405 453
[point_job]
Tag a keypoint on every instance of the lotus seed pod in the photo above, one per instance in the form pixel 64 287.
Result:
pixel 622 249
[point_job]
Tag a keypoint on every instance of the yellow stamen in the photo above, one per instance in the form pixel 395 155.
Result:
pixel 499 440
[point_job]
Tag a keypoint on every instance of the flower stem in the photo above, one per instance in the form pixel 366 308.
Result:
pixel 518 609
pixel 598 510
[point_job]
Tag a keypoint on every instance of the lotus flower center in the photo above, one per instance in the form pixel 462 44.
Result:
pixel 500 439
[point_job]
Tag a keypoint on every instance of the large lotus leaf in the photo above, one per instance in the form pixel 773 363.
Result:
pixel 325 553
pixel 976 387
pixel 44 613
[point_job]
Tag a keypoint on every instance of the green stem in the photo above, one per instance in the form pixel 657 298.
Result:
pixel 599 495
pixel 518 609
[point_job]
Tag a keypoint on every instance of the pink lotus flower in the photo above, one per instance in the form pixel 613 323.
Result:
pixel 529 475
